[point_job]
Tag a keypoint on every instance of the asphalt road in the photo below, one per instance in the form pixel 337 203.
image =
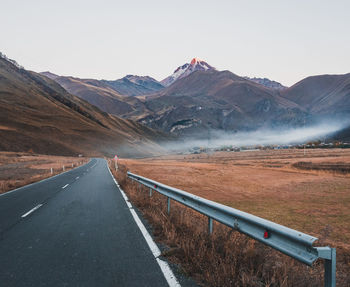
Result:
pixel 74 229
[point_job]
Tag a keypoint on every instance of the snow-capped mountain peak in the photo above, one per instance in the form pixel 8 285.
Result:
pixel 198 62
pixel 195 60
pixel 186 69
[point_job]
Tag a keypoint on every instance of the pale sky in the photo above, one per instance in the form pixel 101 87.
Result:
pixel 283 40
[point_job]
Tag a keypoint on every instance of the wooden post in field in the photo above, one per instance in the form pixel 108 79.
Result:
pixel 72 164
pixel 116 162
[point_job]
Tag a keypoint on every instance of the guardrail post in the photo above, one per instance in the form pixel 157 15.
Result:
pixel 210 225
pixel 168 205
pixel 329 269
pixel 51 170
pixel 150 192
pixel 139 187
pixel 63 168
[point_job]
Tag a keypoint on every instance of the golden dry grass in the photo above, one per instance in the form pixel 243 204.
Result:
pixel 19 169
pixel 266 184
pixel 226 258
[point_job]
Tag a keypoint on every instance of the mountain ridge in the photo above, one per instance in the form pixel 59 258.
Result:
pixel 322 94
pixel 38 115
pixel 267 83
pixel 132 85
pixel 196 93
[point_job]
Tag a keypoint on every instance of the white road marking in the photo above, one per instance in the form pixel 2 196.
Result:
pixel 32 210
pixel 164 266
pixel 63 187
pixel 38 182
pixel 77 177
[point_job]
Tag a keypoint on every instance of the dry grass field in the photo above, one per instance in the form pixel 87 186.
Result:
pixel 18 169
pixel 310 193
pixel 274 184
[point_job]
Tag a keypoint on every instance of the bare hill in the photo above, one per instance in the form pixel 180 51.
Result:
pixel 101 95
pixel 322 95
pixel 37 114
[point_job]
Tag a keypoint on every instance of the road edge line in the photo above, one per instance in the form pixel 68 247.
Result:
pixel 164 266
pixel 45 179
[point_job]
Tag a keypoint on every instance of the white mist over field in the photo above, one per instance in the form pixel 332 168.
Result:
pixel 278 136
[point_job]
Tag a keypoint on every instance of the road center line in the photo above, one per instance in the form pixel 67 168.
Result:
pixel 32 210
pixel 63 187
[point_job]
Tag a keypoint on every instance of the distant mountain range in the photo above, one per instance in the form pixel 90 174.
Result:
pixel 126 97
pixel 38 115
pixel 197 97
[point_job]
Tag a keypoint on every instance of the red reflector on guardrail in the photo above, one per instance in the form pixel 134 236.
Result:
pixel 155 186
pixel 266 234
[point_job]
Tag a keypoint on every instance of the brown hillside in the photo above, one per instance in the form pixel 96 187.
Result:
pixel 220 100
pixel 101 95
pixel 324 94
pixel 37 114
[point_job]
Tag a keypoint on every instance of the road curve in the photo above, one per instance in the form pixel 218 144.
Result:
pixel 73 230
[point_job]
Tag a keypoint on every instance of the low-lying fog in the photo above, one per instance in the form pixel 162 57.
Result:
pixel 280 136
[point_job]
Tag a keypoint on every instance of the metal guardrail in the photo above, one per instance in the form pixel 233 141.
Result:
pixel 288 241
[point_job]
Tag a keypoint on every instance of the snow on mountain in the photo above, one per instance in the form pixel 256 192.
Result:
pixel 3 56
pixel 267 83
pixel 186 69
